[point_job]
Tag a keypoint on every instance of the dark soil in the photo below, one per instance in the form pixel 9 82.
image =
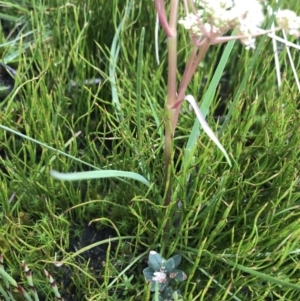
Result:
pixel 7 80
pixel 95 258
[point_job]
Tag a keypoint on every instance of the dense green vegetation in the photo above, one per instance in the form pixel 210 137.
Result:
pixel 76 93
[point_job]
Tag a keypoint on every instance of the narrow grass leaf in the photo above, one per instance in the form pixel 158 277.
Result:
pixel 155 116
pixel 207 101
pixel 139 82
pixel 114 54
pixel 88 175
pixel 46 146
pixel 263 276
pixel 206 127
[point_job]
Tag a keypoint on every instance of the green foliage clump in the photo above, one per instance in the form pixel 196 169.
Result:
pixel 89 96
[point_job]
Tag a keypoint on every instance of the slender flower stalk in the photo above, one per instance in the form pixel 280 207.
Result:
pixel 194 61
pixel 171 98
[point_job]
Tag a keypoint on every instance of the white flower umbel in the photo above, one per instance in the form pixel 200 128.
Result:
pixel 214 18
pixel 289 21
pixel 248 17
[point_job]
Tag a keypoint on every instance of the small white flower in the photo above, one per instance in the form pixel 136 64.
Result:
pixel 189 21
pixel 289 21
pixel 160 277
pixel 249 11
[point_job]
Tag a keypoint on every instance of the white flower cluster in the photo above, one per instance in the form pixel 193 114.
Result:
pixel 217 17
pixel 289 21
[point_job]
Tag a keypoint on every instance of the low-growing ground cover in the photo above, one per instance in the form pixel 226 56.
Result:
pixel 90 93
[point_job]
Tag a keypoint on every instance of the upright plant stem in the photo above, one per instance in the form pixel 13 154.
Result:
pixel 193 63
pixel 171 100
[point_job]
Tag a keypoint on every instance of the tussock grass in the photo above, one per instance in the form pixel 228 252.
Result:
pixel 237 228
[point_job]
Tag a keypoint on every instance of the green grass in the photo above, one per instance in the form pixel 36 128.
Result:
pixel 237 229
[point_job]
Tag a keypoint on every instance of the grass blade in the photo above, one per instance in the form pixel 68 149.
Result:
pixel 139 82
pixel 88 175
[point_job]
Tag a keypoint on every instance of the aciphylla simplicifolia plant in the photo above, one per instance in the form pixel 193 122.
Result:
pixel 8 285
